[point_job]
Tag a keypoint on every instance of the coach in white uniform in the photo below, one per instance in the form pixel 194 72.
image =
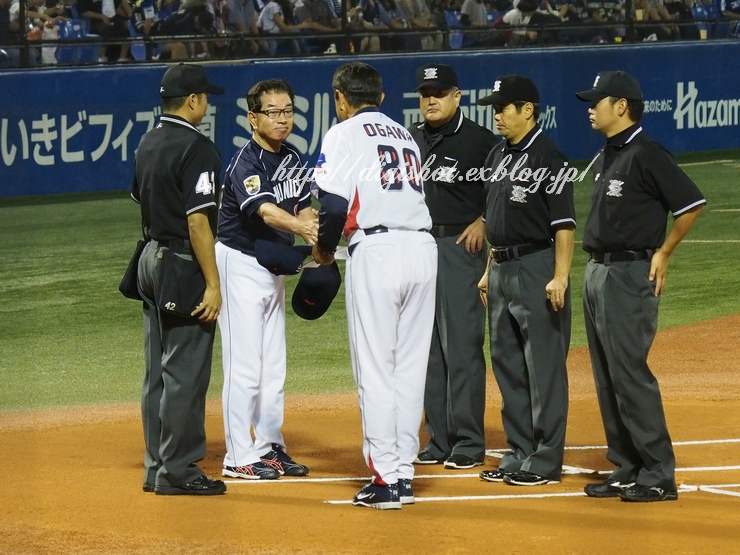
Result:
pixel 369 182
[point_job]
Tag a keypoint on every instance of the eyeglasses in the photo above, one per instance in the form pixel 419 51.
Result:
pixel 275 114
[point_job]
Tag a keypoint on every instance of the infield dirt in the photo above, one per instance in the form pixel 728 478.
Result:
pixel 72 480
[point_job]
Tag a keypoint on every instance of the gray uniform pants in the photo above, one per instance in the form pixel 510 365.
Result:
pixel 621 312
pixel 178 355
pixel 455 393
pixel 529 347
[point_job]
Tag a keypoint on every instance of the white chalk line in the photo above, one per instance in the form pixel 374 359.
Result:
pixel 718 489
pixel 501 452
pixel 567 470
pixel 472 497
pixel 681 489
pixel 708 163
pixel 702 241
pixel 715 489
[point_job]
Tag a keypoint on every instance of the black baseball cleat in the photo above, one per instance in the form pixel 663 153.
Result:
pixel 254 471
pixel 459 462
pixel 496 475
pixel 609 488
pixel 425 457
pixel 202 485
pixel 406 491
pixel 637 493
pixel 147 487
pixel 376 496
pixel 280 461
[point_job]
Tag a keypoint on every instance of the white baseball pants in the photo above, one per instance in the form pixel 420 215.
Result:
pixel 390 286
pixel 252 323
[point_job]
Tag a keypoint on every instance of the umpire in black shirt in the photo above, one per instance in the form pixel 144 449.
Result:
pixel 530 221
pixel 636 183
pixel 176 183
pixel 454 149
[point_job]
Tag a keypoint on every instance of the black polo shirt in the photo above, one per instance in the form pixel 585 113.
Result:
pixel 636 183
pixel 452 157
pixel 177 174
pixel 256 176
pixel 527 197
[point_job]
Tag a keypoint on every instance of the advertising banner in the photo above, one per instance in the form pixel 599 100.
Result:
pixel 76 130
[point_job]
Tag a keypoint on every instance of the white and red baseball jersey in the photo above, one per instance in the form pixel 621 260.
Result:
pixel 375 164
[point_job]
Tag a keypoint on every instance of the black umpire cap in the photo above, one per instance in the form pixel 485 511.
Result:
pixel 618 84
pixel 280 259
pixel 187 79
pixel 436 76
pixel 316 290
pixel 510 88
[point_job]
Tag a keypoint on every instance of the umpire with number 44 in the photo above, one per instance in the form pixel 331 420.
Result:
pixel 636 183
pixel 176 183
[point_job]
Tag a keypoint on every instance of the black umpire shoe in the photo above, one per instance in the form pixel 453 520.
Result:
pixel 460 462
pixel 524 478
pixel 425 457
pixel 638 493
pixel 202 485
pixel 609 488
pixel 496 475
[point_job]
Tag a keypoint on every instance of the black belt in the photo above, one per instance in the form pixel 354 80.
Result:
pixel 175 244
pixel 374 231
pixel 441 231
pixel 621 256
pixel 502 254
pixel 383 229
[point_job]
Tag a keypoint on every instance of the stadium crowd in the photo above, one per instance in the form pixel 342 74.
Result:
pixel 149 30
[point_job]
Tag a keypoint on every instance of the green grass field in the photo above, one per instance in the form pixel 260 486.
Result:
pixel 67 337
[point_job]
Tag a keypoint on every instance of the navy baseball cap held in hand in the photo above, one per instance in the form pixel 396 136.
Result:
pixel 618 84
pixel 436 76
pixel 280 260
pixel 316 290
pixel 187 79
pixel 510 88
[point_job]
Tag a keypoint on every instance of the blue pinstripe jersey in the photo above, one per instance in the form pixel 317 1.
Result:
pixel 256 176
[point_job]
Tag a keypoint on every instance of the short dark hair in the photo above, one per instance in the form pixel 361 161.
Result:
pixel 635 108
pixel 519 104
pixel 173 103
pixel 254 96
pixel 360 83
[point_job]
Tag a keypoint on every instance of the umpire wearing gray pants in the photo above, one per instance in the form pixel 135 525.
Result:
pixel 636 182
pixel 176 183
pixel 452 146
pixel 529 210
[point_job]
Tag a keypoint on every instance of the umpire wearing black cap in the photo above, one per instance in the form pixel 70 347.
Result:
pixel 176 183
pixel 530 221
pixel 451 145
pixel 636 183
